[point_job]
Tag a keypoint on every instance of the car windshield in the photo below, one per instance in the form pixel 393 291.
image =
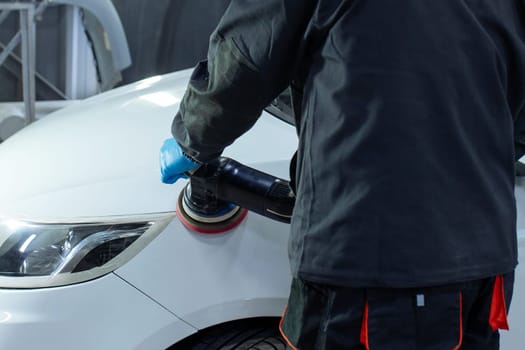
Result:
pixel 281 107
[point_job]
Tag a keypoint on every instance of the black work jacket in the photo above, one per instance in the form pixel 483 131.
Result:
pixel 406 115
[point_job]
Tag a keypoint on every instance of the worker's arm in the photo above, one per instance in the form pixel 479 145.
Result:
pixel 251 59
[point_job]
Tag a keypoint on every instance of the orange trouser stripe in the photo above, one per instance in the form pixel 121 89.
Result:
pixel 282 332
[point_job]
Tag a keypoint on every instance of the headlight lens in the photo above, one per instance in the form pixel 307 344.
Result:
pixel 42 255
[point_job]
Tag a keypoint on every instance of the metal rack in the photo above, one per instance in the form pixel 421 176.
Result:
pixel 25 37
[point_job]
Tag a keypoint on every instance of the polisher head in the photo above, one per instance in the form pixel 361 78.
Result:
pixel 223 219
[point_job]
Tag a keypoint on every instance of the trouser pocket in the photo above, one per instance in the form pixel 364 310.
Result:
pixel 430 321
pixel 303 314
pixel 321 317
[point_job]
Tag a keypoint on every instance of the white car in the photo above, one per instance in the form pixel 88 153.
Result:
pixel 93 256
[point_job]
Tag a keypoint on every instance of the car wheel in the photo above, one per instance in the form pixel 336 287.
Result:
pixel 256 334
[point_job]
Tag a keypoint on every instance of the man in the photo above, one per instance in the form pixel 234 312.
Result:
pixel 404 233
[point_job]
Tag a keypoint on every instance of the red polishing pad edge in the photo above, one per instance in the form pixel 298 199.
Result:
pixel 208 228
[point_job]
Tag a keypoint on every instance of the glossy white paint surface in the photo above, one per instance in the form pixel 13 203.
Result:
pixel 100 158
pixel 105 314
pixel 207 279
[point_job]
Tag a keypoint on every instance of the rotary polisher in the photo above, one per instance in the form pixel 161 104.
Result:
pixel 220 193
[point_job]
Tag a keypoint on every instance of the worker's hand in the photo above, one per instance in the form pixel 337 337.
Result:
pixel 173 162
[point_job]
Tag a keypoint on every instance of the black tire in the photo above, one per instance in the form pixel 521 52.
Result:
pixel 256 334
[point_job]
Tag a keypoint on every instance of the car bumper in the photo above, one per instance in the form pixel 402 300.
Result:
pixel 107 313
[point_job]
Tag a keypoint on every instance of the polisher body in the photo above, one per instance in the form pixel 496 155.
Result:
pixel 220 192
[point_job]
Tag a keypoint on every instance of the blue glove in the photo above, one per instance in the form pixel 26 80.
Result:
pixel 173 162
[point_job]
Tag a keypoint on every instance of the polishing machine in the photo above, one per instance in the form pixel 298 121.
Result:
pixel 220 193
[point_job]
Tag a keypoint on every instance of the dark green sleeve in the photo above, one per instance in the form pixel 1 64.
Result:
pixel 251 59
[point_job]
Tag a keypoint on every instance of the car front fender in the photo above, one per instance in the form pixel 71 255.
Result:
pixel 106 13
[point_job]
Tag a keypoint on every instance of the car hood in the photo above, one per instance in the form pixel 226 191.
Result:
pixel 99 157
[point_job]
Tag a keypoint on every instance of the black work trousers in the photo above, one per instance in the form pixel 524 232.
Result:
pixel 463 316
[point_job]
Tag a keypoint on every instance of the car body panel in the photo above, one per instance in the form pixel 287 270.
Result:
pixel 99 158
pixel 220 277
pixel 92 161
pixel 104 314
pixel 105 12
pixel 514 338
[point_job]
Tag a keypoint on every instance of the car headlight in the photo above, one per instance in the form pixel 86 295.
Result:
pixel 34 255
